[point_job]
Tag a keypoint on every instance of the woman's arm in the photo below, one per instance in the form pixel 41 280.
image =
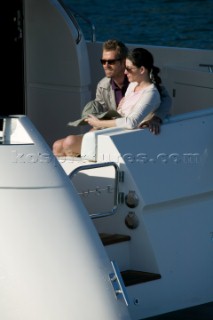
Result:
pixel 97 123
pixel 148 101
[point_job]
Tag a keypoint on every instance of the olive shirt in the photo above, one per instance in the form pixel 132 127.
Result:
pixel 105 95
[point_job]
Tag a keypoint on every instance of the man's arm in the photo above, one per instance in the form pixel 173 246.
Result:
pixel 165 106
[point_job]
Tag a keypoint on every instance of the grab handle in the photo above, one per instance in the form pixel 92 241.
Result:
pixel 118 284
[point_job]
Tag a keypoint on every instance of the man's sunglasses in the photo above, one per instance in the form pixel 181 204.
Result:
pixel 110 62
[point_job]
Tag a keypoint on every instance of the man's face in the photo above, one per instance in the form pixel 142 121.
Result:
pixel 113 68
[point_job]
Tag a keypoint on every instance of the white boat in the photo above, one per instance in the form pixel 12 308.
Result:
pixel 126 230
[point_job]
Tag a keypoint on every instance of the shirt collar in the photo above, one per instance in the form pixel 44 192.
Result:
pixel 115 86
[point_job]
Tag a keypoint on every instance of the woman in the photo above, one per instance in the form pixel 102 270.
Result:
pixel 142 98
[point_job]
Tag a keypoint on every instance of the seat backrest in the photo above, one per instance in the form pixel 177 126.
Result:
pixel 89 142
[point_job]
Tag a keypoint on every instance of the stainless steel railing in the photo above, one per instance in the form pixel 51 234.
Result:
pixel 73 15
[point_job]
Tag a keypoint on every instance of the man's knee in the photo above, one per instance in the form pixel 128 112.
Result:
pixel 69 141
pixel 57 147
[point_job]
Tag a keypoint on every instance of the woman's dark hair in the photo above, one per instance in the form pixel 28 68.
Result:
pixel 141 57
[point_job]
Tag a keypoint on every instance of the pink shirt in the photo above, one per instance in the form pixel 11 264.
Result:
pixel 136 106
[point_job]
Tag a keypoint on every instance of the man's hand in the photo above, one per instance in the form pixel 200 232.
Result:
pixel 153 124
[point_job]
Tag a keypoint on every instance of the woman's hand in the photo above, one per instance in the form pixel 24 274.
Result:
pixel 100 124
pixel 93 121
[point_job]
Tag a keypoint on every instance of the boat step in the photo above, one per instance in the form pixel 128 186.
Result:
pixel 131 277
pixel 108 239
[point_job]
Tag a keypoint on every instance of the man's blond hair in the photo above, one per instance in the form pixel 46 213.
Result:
pixel 118 46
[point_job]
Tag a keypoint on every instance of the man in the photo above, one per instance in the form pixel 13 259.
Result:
pixel 110 90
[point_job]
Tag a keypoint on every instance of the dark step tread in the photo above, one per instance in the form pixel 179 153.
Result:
pixel 131 277
pixel 108 239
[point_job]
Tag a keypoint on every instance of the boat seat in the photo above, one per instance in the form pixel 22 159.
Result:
pixel 89 142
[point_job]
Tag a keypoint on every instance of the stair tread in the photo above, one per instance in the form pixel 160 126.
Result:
pixel 108 239
pixel 131 277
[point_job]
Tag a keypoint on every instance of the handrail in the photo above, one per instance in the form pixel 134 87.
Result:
pixel 72 15
pixel 95 166
pixel 92 26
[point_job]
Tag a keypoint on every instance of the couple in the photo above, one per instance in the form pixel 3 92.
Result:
pixel 131 87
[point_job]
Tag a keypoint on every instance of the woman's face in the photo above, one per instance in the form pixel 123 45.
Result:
pixel 133 73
